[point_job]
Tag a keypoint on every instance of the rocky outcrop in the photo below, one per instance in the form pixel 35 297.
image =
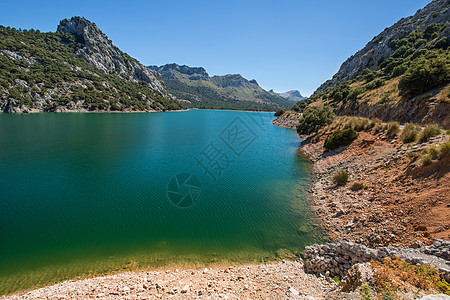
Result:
pixel 337 259
pixel 8 106
pixel 99 50
pixel 379 48
pixel 288 120
pixel 439 248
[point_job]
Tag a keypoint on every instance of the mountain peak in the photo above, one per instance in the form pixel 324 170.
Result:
pixel 99 50
pixel 293 95
pixel 87 32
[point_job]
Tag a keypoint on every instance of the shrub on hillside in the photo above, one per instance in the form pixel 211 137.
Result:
pixel 399 70
pixel 356 186
pixel 340 138
pixel 313 119
pixel 428 132
pixel 426 159
pixel 425 74
pixel 444 149
pixel 392 129
pixel 340 177
pixel 375 84
pixel 410 133
pixel 279 112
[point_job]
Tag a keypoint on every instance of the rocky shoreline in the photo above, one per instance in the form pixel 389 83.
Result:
pixel 288 120
pixel 282 280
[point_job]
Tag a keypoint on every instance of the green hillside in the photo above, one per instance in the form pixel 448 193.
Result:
pixel 42 71
pixel 195 88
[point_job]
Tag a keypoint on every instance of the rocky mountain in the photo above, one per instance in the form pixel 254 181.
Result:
pixel 76 68
pixel 196 88
pixel 381 47
pixel 292 95
pixel 403 74
pixel 99 51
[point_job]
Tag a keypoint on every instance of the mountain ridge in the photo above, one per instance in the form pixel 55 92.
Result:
pixel 403 74
pixel 196 88
pixel 379 48
pixel 76 68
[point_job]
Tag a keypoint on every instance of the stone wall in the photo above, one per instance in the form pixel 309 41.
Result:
pixel 336 259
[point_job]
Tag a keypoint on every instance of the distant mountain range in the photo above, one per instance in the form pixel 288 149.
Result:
pixel 194 87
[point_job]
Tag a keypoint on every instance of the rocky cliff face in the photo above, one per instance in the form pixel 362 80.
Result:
pixel 379 48
pixel 99 51
pixel 197 88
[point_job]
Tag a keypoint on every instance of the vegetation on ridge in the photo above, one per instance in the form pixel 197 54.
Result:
pixel 417 70
pixel 42 69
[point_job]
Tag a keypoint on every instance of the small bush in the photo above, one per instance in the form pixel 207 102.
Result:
pixel 356 186
pixel 340 138
pixel 392 129
pixel 444 149
pixel 433 151
pixel 313 119
pixel 399 70
pixel 365 292
pixel 375 84
pixel 356 123
pixel 279 112
pixel 423 75
pixel 426 159
pixel 410 133
pixel 340 177
pixel 428 132
pixel 316 138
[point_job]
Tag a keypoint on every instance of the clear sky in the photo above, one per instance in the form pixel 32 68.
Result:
pixel 283 44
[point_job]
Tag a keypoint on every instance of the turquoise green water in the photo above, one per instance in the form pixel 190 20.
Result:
pixel 84 194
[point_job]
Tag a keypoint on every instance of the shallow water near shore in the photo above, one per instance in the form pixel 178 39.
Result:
pixel 86 194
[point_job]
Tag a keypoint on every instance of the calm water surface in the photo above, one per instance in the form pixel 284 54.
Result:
pixel 90 193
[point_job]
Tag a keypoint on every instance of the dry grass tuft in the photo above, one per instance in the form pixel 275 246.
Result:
pixel 393 275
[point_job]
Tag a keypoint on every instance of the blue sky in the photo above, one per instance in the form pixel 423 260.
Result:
pixel 282 44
